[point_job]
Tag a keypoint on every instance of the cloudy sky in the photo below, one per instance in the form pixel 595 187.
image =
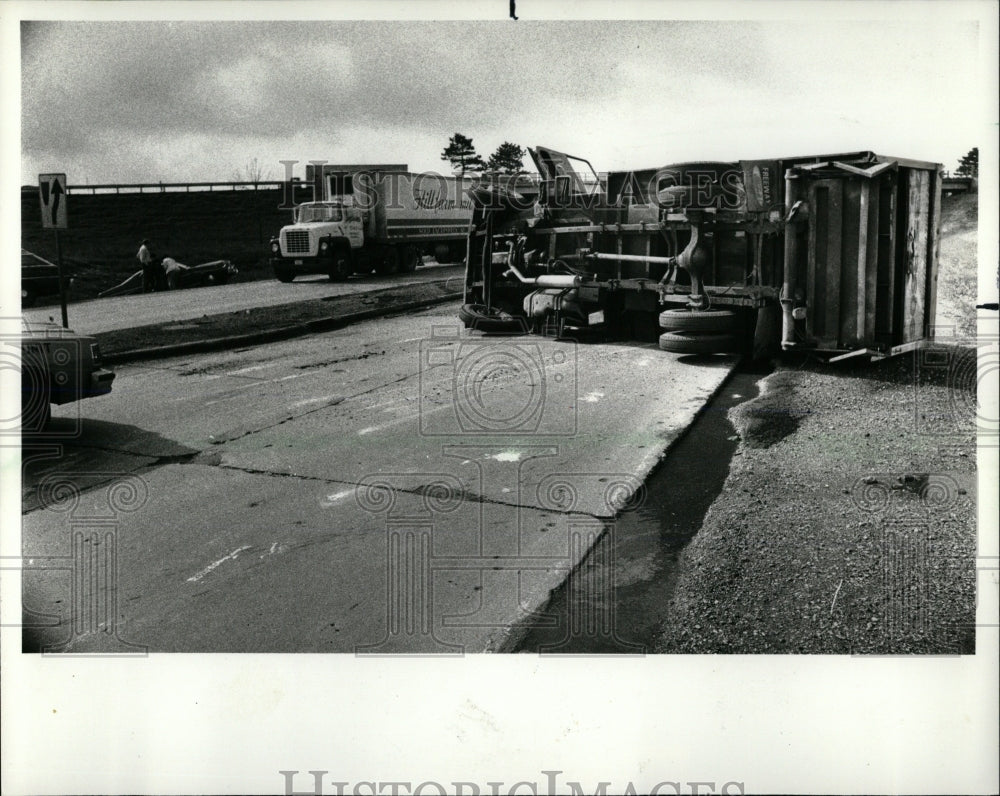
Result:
pixel 194 101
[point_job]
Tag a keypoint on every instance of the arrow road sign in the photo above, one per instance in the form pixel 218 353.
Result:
pixel 52 193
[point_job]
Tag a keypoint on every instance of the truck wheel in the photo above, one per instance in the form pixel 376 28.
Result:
pixel 362 263
pixel 687 320
pixel 284 275
pixel 697 343
pixel 442 253
pixel 389 263
pixel 36 411
pixel 341 267
pixel 410 259
pixel 481 318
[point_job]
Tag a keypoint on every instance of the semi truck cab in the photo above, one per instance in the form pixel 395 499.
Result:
pixel 322 240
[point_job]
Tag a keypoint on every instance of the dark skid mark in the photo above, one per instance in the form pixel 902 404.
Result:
pixel 328 362
pixel 770 417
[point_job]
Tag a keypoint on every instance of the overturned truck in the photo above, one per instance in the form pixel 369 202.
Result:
pixel 832 253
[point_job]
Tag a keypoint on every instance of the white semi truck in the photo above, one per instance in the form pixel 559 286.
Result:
pixel 375 220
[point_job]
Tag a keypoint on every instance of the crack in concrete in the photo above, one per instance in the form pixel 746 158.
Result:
pixel 269 426
pixel 420 490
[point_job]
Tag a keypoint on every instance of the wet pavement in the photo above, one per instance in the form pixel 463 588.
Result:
pixel 615 602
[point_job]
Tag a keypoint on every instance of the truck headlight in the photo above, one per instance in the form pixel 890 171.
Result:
pixel 275 247
pixel 323 246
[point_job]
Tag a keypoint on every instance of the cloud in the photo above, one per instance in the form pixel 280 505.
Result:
pixel 121 100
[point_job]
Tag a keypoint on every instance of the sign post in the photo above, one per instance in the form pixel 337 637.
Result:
pixel 52 195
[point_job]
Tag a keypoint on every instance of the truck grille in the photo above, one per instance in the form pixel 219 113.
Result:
pixel 297 241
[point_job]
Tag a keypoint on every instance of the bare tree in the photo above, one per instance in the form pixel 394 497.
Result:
pixel 253 171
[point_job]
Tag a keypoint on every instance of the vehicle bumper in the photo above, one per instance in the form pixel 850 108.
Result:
pixel 301 265
pixel 98 383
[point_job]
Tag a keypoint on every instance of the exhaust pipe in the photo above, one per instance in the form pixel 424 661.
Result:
pixel 787 299
pixel 546 280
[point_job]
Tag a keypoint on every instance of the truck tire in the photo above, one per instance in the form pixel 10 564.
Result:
pixel 697 343
pixel 442 254
pixel 284 275
pixel 481 318
pixel 389 262
pixel 409 260
pixel 688 320
pixel 340 266
pixel 36 410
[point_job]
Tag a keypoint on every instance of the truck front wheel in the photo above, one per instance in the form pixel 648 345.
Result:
pixel 341 267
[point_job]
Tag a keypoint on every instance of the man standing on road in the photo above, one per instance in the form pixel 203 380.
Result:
pixel 148 269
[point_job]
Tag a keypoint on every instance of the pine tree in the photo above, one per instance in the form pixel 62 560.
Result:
pixel 968 166
pixel 508 159
pixel 462 155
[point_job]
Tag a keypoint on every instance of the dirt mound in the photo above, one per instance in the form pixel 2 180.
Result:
pixel 959 212
pixel 958 263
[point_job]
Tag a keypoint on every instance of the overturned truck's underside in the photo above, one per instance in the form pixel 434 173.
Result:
pixel 833 253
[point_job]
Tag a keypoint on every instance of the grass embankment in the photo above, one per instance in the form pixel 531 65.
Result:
pixel 105 231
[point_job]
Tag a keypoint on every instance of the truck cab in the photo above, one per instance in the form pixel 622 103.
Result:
pixel 322 240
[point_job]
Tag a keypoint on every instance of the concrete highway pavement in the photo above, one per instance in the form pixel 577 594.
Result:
pixel 396 486
pixel 126 312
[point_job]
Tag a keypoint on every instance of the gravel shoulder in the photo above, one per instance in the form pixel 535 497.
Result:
pixel 847 523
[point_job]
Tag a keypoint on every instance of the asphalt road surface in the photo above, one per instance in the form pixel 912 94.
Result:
pixel 395 486
pixel 126 312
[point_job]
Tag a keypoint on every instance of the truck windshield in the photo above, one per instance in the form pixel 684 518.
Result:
pixel 308 213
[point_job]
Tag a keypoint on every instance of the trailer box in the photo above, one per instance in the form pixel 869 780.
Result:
pixel 831 253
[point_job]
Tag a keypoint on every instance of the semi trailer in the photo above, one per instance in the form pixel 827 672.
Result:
pixel 835 254
pixel 379 220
